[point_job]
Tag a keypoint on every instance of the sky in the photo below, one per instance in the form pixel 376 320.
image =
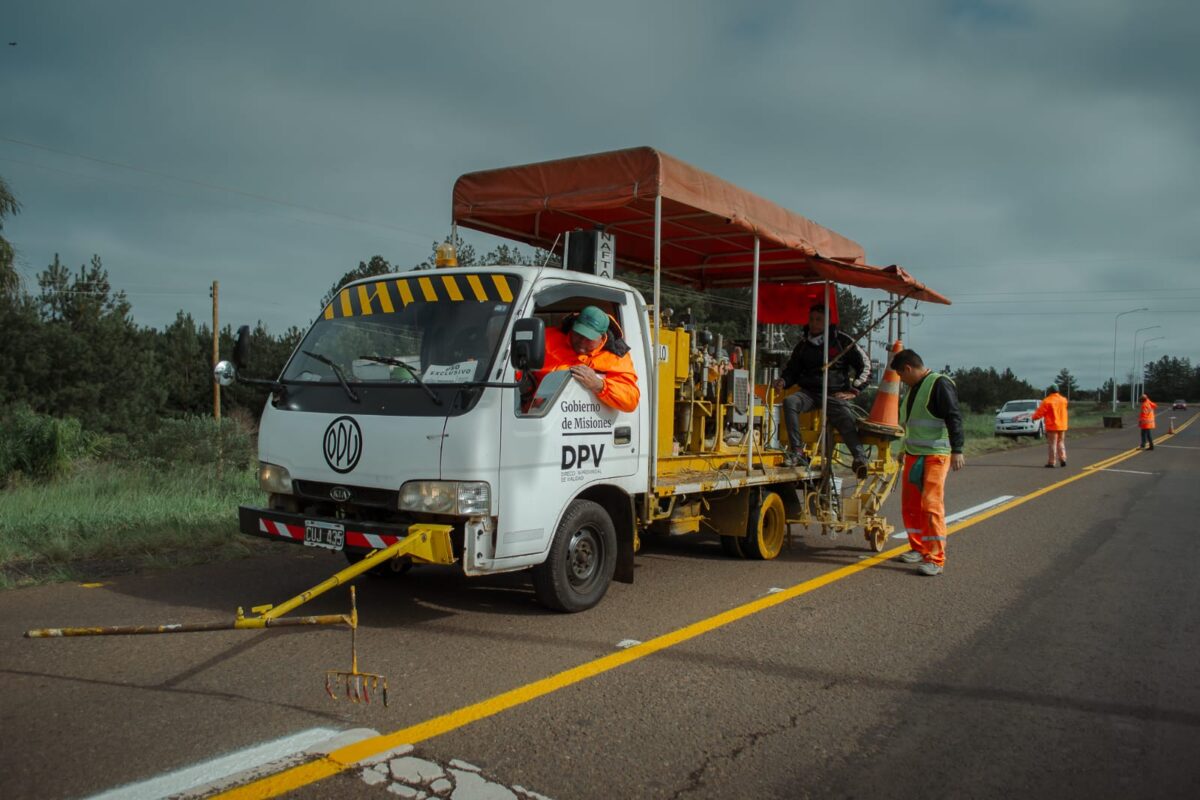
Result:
pixel 1037 163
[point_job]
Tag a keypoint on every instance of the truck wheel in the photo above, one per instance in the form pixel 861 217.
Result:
pixel 1039 433
pixel 582 560
pixel 767 528
pixel 732 545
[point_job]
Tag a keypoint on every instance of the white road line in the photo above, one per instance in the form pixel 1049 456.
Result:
pixel 1177 446
pixel 1127 471
pixel 968 512
pixel 174 783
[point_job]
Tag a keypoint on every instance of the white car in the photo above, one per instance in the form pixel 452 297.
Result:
pixel 1016 419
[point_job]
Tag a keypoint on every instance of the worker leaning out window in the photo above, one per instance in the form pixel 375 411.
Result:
pixel 589 345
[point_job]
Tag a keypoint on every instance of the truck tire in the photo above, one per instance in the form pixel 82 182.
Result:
pixel 732 546
pixel 766 528
pixel 581 562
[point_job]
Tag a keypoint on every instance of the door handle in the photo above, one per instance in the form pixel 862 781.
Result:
pixel 622 435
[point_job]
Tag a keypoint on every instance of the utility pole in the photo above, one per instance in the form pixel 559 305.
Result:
pixel 216 356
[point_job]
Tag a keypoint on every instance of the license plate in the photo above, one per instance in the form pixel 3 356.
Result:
pixel 329 535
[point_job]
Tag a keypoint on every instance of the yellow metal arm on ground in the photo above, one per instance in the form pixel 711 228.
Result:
pixel 426 543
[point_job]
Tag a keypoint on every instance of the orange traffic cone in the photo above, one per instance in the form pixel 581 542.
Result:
pixel 884 418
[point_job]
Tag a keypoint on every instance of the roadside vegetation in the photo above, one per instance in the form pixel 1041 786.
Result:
pixel 78 507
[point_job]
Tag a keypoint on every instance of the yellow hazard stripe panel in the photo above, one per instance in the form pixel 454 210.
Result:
pixel 388 297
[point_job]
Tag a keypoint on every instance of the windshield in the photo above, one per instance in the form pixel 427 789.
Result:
pixel 1020 405
pixel 430 328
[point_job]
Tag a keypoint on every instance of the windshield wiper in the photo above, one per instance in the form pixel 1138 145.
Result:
pixel 336 371
pixel 395 362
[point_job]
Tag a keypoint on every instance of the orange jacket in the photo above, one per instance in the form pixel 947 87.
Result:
pixel 1054 409
pixel 620 381
pixel 1146 415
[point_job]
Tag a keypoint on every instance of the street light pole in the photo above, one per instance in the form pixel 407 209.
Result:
pixel 1142 364
pixel 1134 370
pixel 1114 377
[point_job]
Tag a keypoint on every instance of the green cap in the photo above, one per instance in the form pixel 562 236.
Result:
pixel 592 323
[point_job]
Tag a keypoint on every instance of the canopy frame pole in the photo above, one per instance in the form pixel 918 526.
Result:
pixel 753 362
pixel 653 366
pixel 826 445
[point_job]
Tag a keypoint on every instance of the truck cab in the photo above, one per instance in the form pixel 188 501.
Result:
pixel 403 404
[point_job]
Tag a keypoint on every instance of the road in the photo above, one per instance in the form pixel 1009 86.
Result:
pixel 1058 656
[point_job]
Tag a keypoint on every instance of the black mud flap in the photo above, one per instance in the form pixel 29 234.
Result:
pixel 625 532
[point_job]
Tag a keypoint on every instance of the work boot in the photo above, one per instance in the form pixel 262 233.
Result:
pixel 795 458
pixel 1062 462
pixel 930 569
pixel 911 557
pixel 1049 466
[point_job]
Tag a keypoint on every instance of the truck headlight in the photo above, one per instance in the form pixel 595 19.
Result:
pixel 274 479
pixel 463 498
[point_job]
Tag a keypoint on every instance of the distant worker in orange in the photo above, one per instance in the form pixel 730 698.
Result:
pixel 596 359
pixel 1146 422
pixel 1054 410
pixel 933 445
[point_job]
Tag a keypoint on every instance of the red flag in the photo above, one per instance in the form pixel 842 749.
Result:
pixel 788 303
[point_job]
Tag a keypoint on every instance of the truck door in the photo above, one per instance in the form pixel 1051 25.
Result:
pixel 565 440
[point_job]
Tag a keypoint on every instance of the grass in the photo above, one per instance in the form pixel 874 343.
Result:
pixel 105 518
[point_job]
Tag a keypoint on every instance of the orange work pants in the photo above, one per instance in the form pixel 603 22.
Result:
pixel 1056 447
pixel 924 508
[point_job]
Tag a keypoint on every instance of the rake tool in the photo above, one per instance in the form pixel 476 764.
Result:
pixel 357 686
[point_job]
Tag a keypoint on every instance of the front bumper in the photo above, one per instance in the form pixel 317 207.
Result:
pixel 1017 428
pixel 360 537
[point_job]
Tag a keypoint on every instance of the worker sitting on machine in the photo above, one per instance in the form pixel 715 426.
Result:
pixel 846 378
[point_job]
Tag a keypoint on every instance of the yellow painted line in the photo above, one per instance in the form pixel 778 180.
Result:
pixel 347 757
pixel 427 289
pixel 91 585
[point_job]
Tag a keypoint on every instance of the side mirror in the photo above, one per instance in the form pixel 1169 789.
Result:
pixel 241 347
pixel 224 373
pixel 529 343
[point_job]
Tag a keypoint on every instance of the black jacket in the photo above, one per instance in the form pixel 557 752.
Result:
pixel 849 374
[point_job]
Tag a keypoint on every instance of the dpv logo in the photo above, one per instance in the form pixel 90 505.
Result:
pixel 343 444
pixel 578 456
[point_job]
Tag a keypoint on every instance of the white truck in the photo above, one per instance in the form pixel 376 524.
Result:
pixel 401 405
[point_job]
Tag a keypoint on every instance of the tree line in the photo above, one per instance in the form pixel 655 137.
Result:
pixel 72 348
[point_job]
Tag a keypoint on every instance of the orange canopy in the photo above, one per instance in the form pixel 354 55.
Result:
pixel 708 224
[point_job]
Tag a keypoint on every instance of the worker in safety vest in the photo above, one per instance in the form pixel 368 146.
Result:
pixel 933 444
pixel 1146 422
pixel 597 359
pixel 1054 410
